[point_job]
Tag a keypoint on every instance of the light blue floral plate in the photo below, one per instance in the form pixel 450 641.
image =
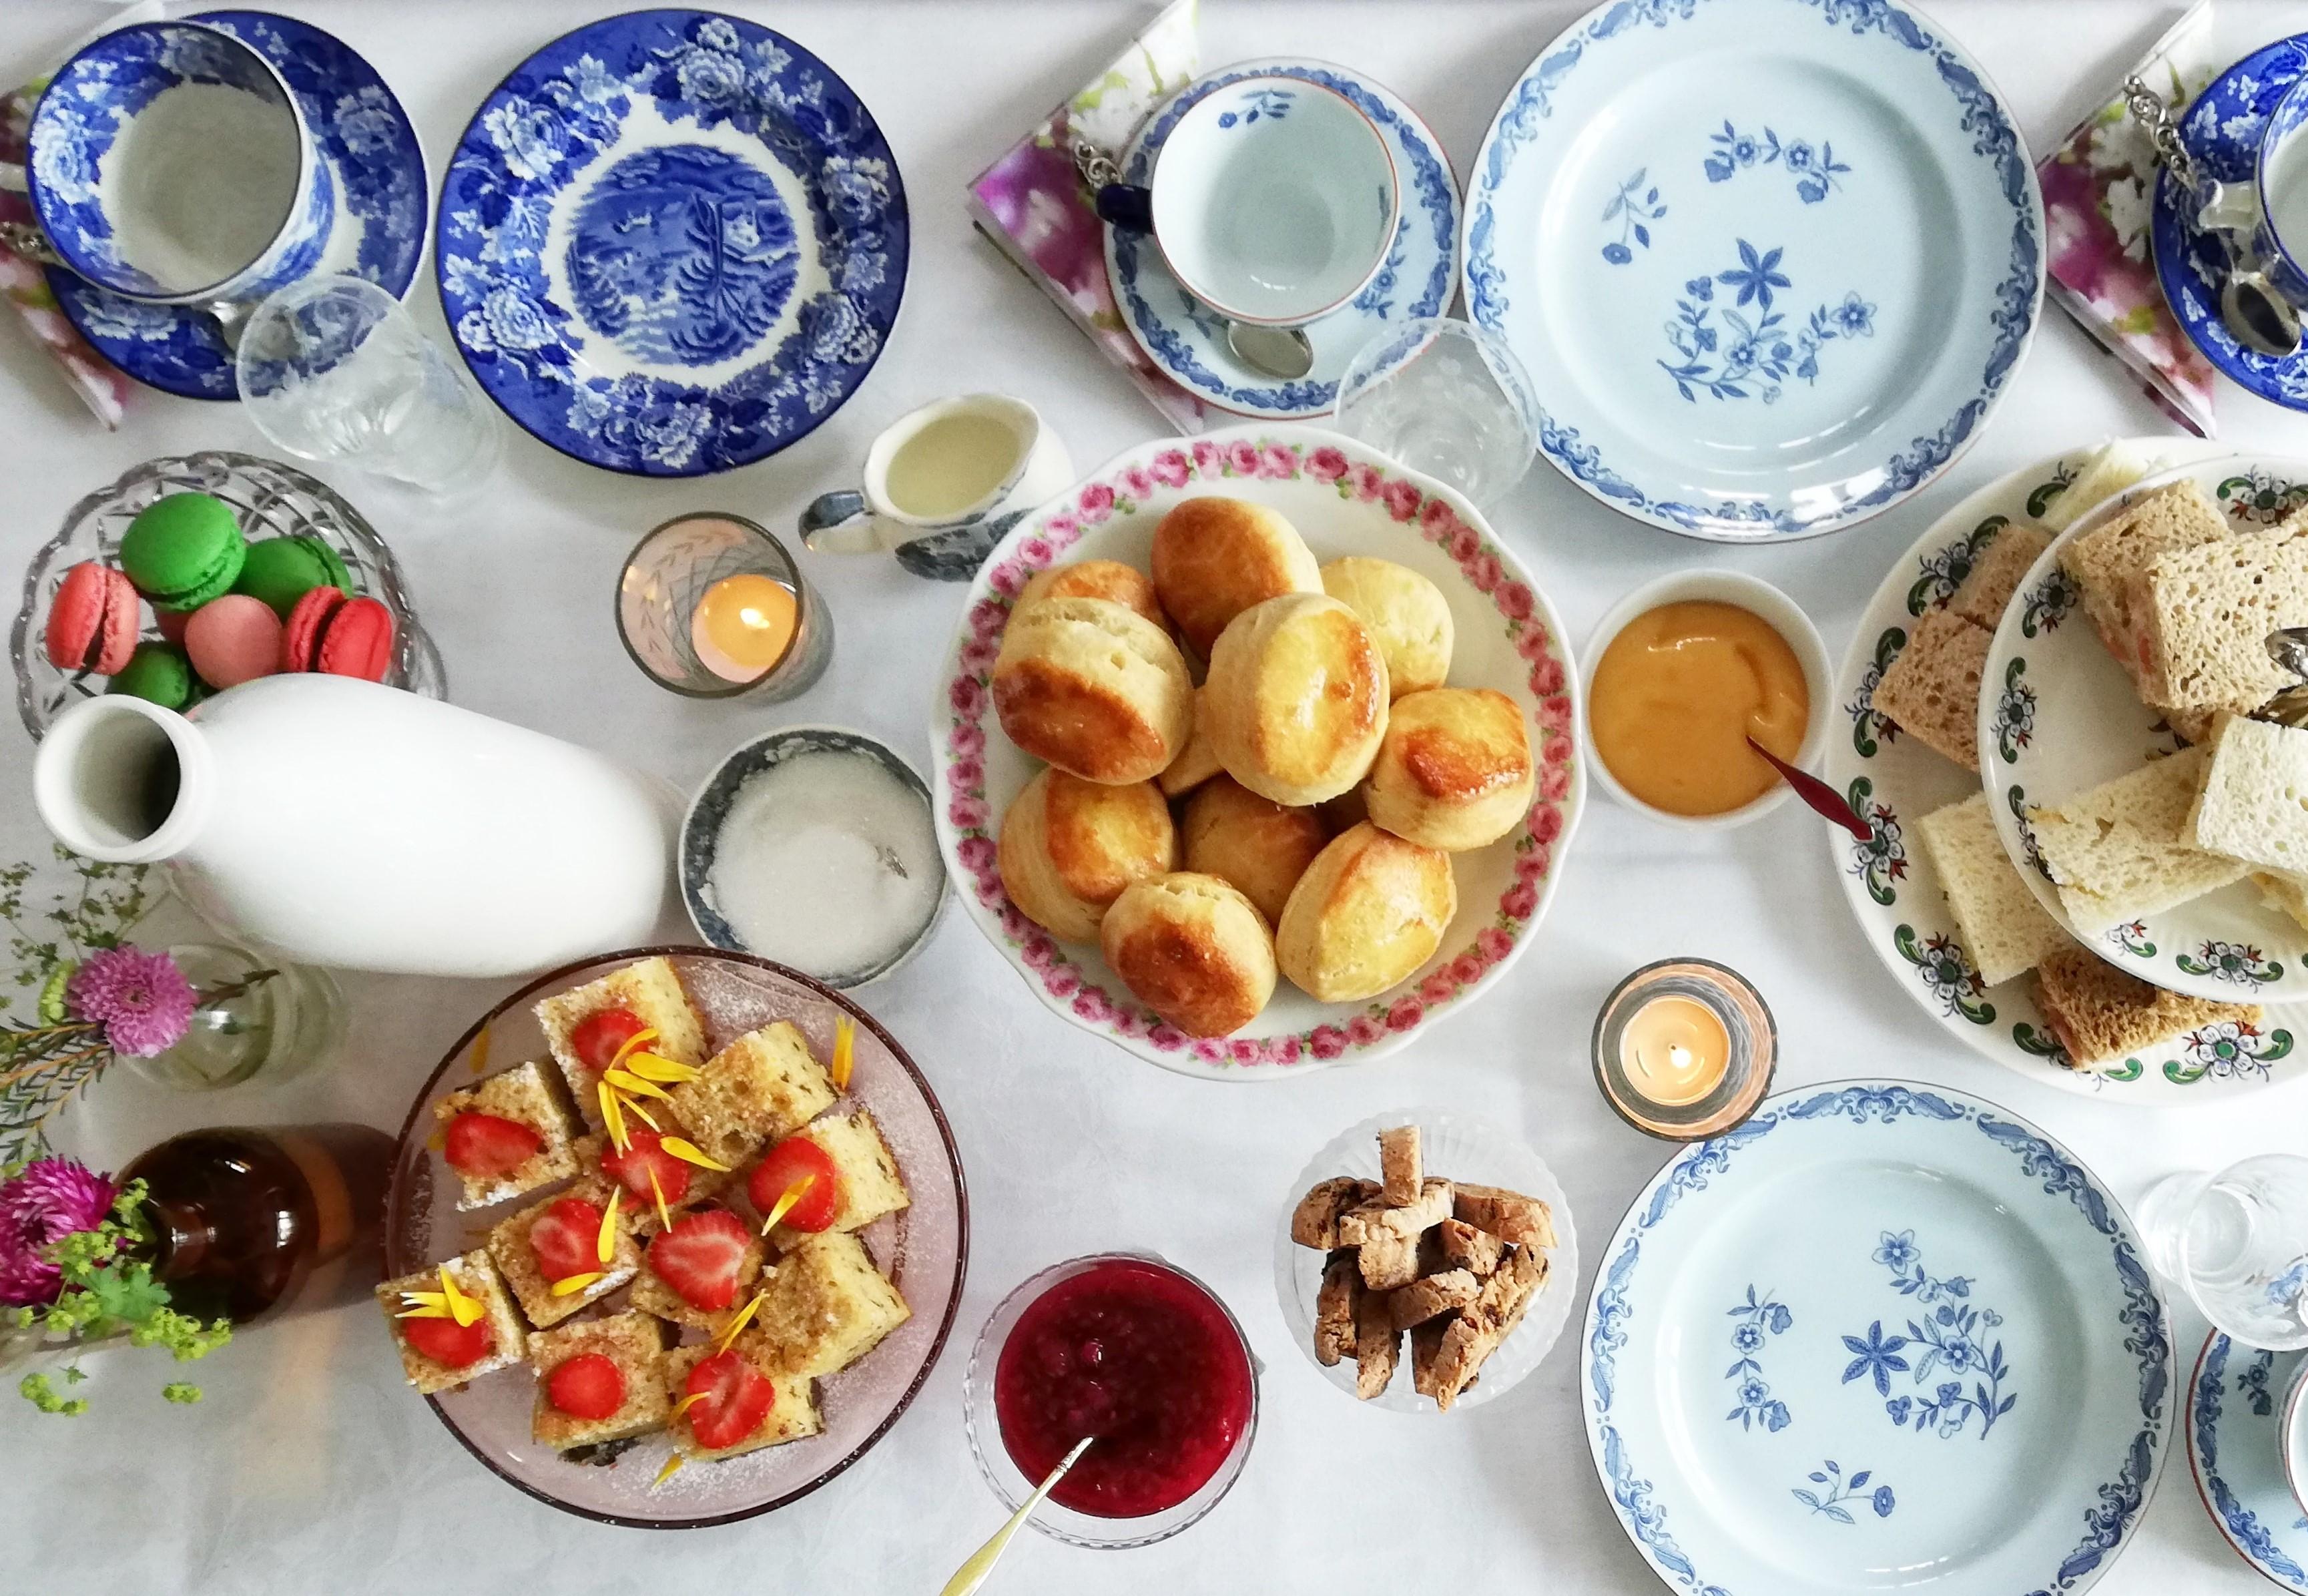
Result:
pixel 1189 342
pixel 1770 263
pixel 2236 1440
pixel 372 151
pixel 1881 1334
pixel 671 243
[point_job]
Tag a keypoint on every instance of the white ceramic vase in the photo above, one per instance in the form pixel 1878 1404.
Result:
pixel 346 824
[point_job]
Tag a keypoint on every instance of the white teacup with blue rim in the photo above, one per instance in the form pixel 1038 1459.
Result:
pixel 168 162
pixel 2280 187
pixel 1273 200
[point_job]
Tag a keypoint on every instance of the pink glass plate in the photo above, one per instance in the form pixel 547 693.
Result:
pixel 923 1249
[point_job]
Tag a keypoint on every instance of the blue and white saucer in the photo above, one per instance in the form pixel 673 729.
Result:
pixel 1771 263
pixel 371 149
pixel 2222 131
pixel 671 243
pixel 1188 340
pixel 2235 1415
pixel 1880 1334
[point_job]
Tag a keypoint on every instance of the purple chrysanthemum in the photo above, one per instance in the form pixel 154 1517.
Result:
pixel 143 1000
pixel 53 1198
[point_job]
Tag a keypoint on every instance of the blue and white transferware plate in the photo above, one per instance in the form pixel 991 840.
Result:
pixel 2221 130
pixel 371 149
pixel 1188 340
pixel 2235 1445
pixel 1881 1334
pixel 671 243
pixel 1770 263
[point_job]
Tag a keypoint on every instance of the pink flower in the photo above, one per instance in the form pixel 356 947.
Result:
pixel 1466 969
pixel 1014 924
pixel 1363 1031
pixel 1437 520
pixel 1166 1036
pixel 1327 463
pixel 1365 480
pixel 1208 460
pixel 989 893
pixel 967 813
pixel 1130 1021
pixel 967 695
pixel 1554 716
pixel 1515 602
pixel 977 854
pixel 1062 529
pixel 1097 501
pixel 1170 469
pixel 1242 457
pixel 1546 676
pixel 967 742
pixel 987 618
pixel 1493 945
pixel 143 1000
pixel 1038 552
pixel 51 1199
pixel 1208 1052
pixel 1038 951
pixel 1554 783
pixel 1464 545
pixel 1519 900
pixel 1284 1049
pixel 1090 1003
pixel 978 655
pixel 1327 1041
pixel 969 773
pixel 1485 574
pixel 1060 980
pixel 1404 1014
pixel 1546 823
pixel 1243 1050
pixel 1401 500
pixel 1008 577
pixel 1137 481
pixel 1544 856
pixel 1533 644
pixel 1277 463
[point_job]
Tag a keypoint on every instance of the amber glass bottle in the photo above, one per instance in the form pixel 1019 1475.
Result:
pixel 251 1224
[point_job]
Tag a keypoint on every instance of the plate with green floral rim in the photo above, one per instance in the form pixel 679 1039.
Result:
pixel 1893 781
pixel 2058 716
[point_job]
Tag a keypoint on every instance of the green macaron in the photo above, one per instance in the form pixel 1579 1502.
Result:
pixel 157 672
pixel 282 570
pixel 182 550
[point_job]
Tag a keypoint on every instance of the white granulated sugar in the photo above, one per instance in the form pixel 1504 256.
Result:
pixel 827 862
pixel 200 183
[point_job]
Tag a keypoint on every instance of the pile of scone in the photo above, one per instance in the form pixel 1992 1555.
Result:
pixel 1324 772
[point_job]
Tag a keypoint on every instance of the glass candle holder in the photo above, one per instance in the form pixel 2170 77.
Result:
pixel 287 1024
pixel 1684 1049
pixel 711 606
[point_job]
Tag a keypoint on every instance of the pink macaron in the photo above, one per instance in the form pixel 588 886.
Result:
pixel 93 620
pixel 232 639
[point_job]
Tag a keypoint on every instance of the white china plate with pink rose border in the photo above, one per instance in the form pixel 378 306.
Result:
pixel 1344 500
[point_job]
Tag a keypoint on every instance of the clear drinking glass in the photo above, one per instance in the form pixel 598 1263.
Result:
pixel 2237 1243
pixel 1447 399
pixel 336 368
pixel 288 1021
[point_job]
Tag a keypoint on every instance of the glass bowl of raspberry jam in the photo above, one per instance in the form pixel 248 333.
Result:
pixel 1135 1351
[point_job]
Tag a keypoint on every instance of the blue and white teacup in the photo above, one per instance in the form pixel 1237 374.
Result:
pixel 168 162
pixel 1274 202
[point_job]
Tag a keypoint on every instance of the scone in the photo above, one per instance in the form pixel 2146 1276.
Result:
pixel 1196 763
pixel 1370 909
pixel 1215 557
pixel 1454 771
pixel 1251 843
pixel 1296 699
pixel 1093 688
pixel 1407 613
pixel 1124 584
pixel 1193 950
pixel 1070 846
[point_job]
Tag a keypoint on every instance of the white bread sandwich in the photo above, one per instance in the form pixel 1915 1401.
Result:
pixel 2121 851
pixel 2001 927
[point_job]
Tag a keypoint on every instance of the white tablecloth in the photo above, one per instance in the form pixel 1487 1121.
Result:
pixel 310 1467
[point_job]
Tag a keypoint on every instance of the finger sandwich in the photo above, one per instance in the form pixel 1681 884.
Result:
pixel 2123 850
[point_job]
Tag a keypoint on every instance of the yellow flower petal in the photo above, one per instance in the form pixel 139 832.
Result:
pixel 650 1067
pixel 461 1308
pixel 638 1039
pixel 427 1312
pixel 664 1215
pixel 845 1045
pixel 425 1299
pixel 604 1246
pixel 613 1117
pixel 672 1467
pixel 626 1081
pixel 648 1118
pixel 745 1316
pixel 480 1060
pixel 689 1152
pixel 570 1285
pixel 687 1402
pixel 791 1195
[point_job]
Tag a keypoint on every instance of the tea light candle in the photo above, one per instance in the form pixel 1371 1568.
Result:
pixel 743 625
pixel 1684 1049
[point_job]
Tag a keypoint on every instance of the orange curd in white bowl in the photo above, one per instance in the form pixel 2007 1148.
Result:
pixel 1675 696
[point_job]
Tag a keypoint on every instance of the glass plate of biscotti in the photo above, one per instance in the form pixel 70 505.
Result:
pixel 581 1281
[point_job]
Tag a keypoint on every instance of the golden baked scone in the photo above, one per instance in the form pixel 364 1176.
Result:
pixel 1251 843
pixel 1095 578
pixel 1093 688
pixel 1454 770
pixel 1296 698
pixel 1369 911
pixel 1215 557
pixel 1193 950
pixel 1070 846
pixel 1407 613
pixel 1197 762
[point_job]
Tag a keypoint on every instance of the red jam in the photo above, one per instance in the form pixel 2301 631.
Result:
pixel 1140 1357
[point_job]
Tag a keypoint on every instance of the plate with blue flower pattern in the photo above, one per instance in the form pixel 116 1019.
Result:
pixel 371 149
pixel 2221 130
pixel 672 243
pixel 1893 781
pixel 1771 263
pixel 1880 1335
pixel 2236 1446
pixel 1188 340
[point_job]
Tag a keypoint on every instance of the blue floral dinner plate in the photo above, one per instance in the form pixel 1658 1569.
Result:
pixel 2235 1445
pixel 1880 1335
pixel 1188 340
pixel 371 149
pixel 1771 263
pixel 671 243
pixel 2222 131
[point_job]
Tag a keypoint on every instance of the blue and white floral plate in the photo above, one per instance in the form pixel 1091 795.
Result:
pixel 2222 131
pixel 672 242
pixel 1880 1335
pixel 371 149
pixel 2058 716
pixel 2235 1445
pixel 1188 340
pixel 1893 781
pixel 1771 263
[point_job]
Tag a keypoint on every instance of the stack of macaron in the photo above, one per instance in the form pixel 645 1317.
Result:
pixel 228 610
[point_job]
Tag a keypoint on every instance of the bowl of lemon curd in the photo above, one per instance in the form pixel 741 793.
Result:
pixel 1680 674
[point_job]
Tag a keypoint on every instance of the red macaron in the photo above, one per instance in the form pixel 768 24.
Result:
pixel 93 620
pixel 329 633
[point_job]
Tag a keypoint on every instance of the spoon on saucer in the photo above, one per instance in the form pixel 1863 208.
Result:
pixel 973 1573
pixel 230 316
pixel 1815 793
pixel 2288 647
pixel 1277 352
pixel 2256 315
